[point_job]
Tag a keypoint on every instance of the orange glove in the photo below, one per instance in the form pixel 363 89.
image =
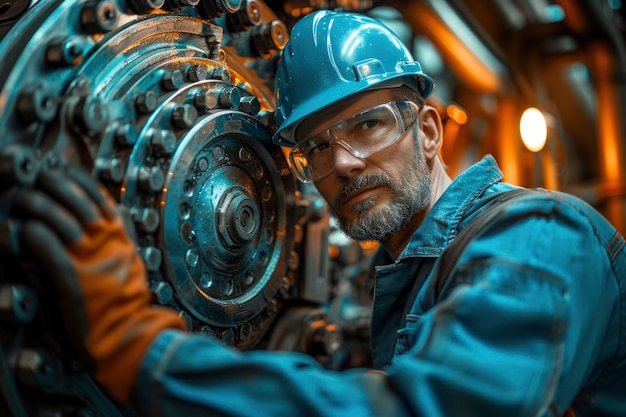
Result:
pixel 71 227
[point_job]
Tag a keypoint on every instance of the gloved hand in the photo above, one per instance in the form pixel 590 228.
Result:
pixel 73 230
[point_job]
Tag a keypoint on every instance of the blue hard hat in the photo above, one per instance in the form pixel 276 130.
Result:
pixel 334 55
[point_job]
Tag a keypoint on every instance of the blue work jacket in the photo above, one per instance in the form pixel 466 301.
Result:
pixel 531 322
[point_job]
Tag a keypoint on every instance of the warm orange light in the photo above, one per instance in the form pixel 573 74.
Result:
pixel 533 129
pixel 457 114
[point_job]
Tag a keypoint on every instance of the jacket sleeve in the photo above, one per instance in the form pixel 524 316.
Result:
pixel 517 332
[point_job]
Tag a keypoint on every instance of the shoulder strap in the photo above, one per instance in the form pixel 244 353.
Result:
pixel 487 214
pixel 450 256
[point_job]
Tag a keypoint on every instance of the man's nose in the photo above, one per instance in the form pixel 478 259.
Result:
pixel 345 164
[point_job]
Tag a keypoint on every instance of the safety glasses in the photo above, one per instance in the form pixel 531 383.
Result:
pixel 362 135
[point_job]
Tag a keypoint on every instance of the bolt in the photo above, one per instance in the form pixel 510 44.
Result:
pixel 126 135
pixel 162 141
pixel 65 52
pixel 244 331
pixel 184 116
pixel 99 17
pixel 203 164
pixel 145 6
pixel 18 164
pixel 146 219
pixel 208 330
pixel 229 97
pixel 192 258
pixel 173 80
pixel 152 257
pixel 244 154
pixel 34 369
pixel 18 303
pixel 162 293
pixel 244 18
pixel 250 105
pixel 219 73
pixel 205 100
pixel 196 73
pixel 91 114
pixel 215 8
pixel 269 36
pixel 146 102
pixel 228 336
pixel 151 179
pixel 36 104
pixel 111 169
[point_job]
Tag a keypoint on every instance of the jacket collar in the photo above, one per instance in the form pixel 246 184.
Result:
pixel 441 224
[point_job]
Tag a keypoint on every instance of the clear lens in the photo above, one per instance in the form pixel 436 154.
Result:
pixel 362 135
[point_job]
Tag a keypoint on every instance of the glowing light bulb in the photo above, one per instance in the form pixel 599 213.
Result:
pixel 533 129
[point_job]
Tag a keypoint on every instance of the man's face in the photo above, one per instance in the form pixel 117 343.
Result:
pixel 375 197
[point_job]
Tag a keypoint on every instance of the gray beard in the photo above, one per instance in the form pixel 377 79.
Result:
pixel 411 196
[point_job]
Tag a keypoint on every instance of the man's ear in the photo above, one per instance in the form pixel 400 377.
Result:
pixel 432 132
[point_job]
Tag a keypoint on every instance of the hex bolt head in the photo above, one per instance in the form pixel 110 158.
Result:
pixel 111 169
pixel 36 104
pixel 184 116
pixel 162 293
pixel 250 105
pixel 162 141
pixel 146 219
pixel 229 97
pixel 99 16
pixel 245 331
pixel 219 73
pixel 196 72
pixel 146 102
pixel 173 80
pixel 64 52
pixel 205 100
pixel 152 257
pixel 91 115
pixel 151 179
pixel 228 336
pixel 126 135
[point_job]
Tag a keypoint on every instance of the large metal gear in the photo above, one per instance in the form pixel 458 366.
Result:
pixel 147 100
pixel 169 104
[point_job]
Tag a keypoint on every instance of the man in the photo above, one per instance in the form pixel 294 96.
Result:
pixel 531 321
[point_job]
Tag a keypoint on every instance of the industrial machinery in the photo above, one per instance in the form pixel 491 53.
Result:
pixel 169 104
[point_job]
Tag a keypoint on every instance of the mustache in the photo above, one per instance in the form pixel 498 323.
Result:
pixel 360 182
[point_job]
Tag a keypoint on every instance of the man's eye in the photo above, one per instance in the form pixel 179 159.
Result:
pixel 367 125
pixel 319 148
